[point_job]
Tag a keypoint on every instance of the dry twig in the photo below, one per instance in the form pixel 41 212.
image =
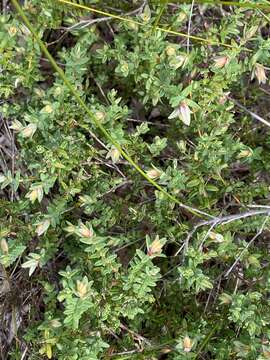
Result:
pixel 223 220
pixel 247 246
pixel 189 24
pixel 251 113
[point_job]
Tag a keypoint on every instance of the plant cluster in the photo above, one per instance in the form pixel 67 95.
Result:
pixel 95 261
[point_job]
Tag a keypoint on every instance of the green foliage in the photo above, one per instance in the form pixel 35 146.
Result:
pixel 108 266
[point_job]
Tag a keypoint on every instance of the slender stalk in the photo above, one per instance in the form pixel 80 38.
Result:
pixel 163 7
pixel 207 339
pixel 189 23
pixel 246 5
pixel 93 118
pixel 168 31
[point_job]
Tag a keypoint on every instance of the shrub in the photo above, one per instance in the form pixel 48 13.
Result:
pixel 96 261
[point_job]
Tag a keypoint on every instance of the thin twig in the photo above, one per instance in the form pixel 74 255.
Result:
pixel 147 122
pixel 13 151
pixel 264 90
pixel 85 23
pixel 24 353
pixel 101 143
pixel 206 235
pixel 112 166
pixel 259 206
pixel 113 189
pixel 247 246
pixel 227 219
pixel 57 62
pixel 189 24
pixel 236 286
pixel 129 352
pixel 208 300
pixel 251 113
pixel 223 220
pixel 136 335
pixel 128 244
pixel 100 89
pixel 219 278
